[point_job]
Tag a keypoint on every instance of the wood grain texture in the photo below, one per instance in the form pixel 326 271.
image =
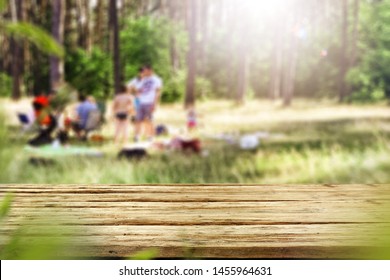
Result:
pixel 206 221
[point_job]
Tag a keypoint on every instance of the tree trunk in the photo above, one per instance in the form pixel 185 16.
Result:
pixel 87 27
pixel 244 39
pixel 343 52
pixel 242 83
pixel 291 58
pixel 355 34
pixel 27 55
pixel 84 25
pixel 291 74
pixel 99 26
pixel 173 44
pixel 17 52
pixel 114 31
pixel 57 64
pixel 202 44
pixel 192 63
pixel 70 40
pixel 276 65
pixel 40 78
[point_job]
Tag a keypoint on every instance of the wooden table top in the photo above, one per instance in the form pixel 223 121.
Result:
pixel 209 221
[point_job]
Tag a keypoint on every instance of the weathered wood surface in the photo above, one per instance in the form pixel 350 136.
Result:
pixel 310 221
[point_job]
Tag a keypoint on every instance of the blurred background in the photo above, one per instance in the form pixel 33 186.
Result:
pixel 284 92
pixel 311 79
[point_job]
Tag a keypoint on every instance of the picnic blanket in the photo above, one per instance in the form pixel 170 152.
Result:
pixel 50 151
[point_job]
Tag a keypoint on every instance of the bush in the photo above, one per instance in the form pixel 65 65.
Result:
pixel 371 80
pixel 203 88
pixel 91 73
pixel 147 40
pixel 5 85
pixel 174 88
pixel 364 89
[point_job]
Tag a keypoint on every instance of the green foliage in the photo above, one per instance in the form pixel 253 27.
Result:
pixel 5 85
pixel 5 205
pixel 203 88
pixel 371 79
pixel 174 88
pixel 91 73
pixel 146 255
pixel 364 89
pixel 147 40
pixel 63 97
pixel 46 243
pixel 3 5
pixel 36 36
pixel 5 152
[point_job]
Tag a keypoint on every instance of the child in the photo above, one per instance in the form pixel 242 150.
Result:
pixel 191 120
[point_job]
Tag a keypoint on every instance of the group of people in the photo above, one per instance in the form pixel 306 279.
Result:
pixel 137 102
pixel 52 121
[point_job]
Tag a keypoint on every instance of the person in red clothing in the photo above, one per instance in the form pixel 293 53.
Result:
pixel 41 107
pixel 45 120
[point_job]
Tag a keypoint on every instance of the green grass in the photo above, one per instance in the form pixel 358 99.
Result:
pixel 321 144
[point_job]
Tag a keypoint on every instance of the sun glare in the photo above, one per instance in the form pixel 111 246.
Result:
pixel 263 11
pixel 265 5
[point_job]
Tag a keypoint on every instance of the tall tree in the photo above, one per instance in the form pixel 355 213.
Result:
pixel 355 31
pixel 173 43
pixel 84 25
pixel 276 63
pixel 242 55
pixel 203 32
pixel 343 52
pixel 56 63
pixel 70 25
pixel 99 32
pixel 17 51
pixel 114 43
pixel 192 63
pixel 293 29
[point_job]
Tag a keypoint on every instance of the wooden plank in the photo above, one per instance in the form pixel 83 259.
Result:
pixel 204 216
pixel 260 234
pixel 209 197
pixel 210 221
pixel 206 189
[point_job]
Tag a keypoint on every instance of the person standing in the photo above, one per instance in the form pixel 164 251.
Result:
pixel 149 95
pixel 134 87
pixel 123 108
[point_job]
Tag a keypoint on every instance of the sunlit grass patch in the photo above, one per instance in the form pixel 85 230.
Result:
pixel 316 143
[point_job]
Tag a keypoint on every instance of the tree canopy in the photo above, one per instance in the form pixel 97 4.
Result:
pixel 202 49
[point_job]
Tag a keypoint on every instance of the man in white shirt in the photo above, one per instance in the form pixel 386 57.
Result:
pixel 134 86
pixel 148 96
